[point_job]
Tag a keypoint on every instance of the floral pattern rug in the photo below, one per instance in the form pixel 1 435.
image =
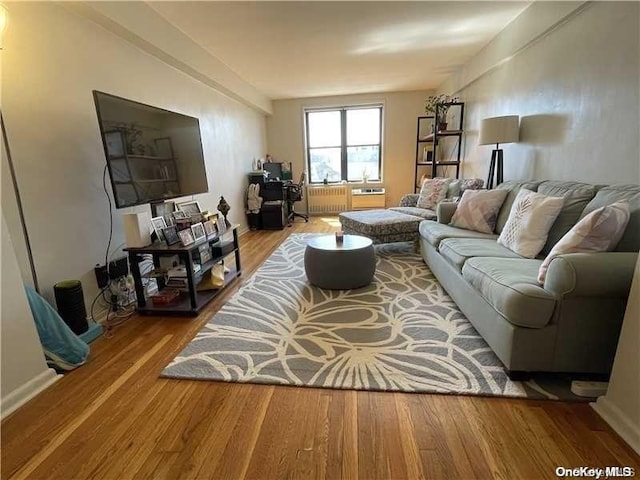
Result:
pixel 400 333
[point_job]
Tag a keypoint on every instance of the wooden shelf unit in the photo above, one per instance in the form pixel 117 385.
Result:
pixel 428 141
pixel 191 301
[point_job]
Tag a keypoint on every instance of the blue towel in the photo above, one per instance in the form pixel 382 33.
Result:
pixel 61 346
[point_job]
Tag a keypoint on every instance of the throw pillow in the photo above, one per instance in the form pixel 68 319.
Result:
pixel 471 184
pixel 432 192
pixel 478 210
pixel 599 231
pixel 530 219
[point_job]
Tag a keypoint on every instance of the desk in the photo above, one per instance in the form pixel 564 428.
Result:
pixel 274 213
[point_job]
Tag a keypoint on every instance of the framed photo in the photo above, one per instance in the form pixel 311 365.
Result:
pixel 178 215
pixel 210 228
pixel 221 226
pixel 165 210
pixel 171 235
pixel 186 237
pixel 158 226
pixel 198 232
pixel 190 208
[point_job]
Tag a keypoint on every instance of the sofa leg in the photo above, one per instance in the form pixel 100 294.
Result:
pixel 518 375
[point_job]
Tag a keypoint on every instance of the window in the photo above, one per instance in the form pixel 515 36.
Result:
pixel 344 143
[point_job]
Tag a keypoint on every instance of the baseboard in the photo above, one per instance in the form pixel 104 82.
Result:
pixel 624 427
pixel 27 391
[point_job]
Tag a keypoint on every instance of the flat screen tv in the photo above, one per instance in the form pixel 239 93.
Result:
pixel 152 154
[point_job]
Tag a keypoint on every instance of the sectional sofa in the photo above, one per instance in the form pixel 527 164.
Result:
pixel 571 323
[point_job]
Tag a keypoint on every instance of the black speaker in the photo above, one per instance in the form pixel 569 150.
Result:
pixel 70 302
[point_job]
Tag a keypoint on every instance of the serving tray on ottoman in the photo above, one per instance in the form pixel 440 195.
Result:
pixel 381 226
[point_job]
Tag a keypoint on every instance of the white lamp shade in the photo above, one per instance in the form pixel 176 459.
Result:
pixel 499 130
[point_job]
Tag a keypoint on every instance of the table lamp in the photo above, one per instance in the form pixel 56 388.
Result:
pixel 498 130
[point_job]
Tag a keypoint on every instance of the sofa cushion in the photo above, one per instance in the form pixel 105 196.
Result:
pixel 531 217
pixel 510 286
pixel 433 191
pixel 599 231
pixel 457 250
pixel 478 210
pixel 434 232
pixel 576 196
pixel 630 241
pixel 409 200
pixel 416 211
pixel 459 186
pixel 513 187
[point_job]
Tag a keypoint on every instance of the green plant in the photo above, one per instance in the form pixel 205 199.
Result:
pixel 441 100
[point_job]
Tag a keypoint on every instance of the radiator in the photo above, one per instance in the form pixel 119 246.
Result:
pixel 327 199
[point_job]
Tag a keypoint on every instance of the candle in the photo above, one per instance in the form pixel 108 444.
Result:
pixel 339 237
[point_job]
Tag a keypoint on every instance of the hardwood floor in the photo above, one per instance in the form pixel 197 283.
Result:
pixel 114 418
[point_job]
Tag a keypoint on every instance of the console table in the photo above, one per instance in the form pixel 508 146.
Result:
pixel 191 301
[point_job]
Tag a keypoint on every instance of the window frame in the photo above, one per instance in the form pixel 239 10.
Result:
pixel 343 109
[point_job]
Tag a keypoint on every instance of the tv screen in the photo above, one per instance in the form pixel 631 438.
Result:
pixel 152 154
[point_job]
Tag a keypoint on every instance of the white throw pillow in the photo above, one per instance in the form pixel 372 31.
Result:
pixel 599 231
pixel 478 210
pixel 530 219
pixel 433 191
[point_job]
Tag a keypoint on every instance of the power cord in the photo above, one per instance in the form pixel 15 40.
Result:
pixel 106 192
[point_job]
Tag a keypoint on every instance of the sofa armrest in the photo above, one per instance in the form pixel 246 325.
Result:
pixel 445 211
pixel 602 274
pixel 409 200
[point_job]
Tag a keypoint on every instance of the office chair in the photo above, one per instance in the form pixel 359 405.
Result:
pixel 295 194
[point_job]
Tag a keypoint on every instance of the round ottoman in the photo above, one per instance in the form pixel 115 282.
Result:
pixel 340 267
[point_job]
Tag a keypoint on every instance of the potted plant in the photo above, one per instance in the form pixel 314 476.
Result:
pixel 442 101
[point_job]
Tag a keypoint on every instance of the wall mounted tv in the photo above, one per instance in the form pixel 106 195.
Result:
pixel 152 154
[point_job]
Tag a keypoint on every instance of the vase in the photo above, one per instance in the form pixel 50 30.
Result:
pixel 442 126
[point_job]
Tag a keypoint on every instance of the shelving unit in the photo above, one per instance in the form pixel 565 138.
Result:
pixel 191 301
pixel 135 176
pixel 429 138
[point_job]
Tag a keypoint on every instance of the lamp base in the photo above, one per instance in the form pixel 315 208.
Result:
pixel 496 159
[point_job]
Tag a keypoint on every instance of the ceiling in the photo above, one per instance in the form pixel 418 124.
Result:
pixel 307 49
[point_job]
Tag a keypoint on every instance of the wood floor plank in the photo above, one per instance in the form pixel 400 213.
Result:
pixel 115 418
pixel 342 422
pixel 50 449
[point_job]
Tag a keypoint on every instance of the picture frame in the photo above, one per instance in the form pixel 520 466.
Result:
pixel 178 215
pixel 186 237
pixel 171 235
pixel 198 232
pixel 164 209
pixel 190 208
pixel 159 224
pixel 210 228
pixel 221 226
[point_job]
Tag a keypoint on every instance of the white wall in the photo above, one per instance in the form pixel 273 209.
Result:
pixel 285 134
pixel 571 72
pixel 24 371
pixel 620 407
pixel 52 60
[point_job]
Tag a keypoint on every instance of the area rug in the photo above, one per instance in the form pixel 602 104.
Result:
pixel 400 333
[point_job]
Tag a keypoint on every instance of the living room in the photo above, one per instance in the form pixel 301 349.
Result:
pixel 570 72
